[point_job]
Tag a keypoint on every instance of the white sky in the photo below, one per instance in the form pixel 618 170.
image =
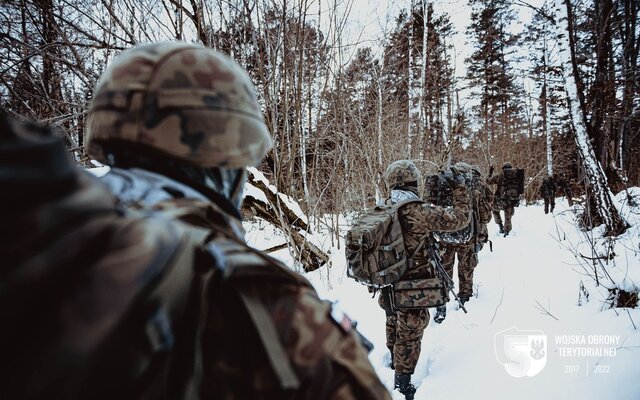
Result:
pixel 369 22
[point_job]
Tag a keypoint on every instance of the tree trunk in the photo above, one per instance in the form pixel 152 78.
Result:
pixel 600 205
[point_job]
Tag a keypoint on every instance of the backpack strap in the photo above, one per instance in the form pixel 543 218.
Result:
pixel 239 265
pixel 236 265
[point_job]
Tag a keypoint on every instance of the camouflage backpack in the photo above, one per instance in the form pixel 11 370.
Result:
pixel 438 192
pixel 512 184
pixel 375 250
pixel 101 302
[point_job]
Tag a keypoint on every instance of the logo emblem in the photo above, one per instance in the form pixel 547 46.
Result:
pixel 523 353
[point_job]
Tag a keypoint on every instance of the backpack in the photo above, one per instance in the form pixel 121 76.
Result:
pixel 102 302
pixel 512 184
pixel 375 250
pixel 439 192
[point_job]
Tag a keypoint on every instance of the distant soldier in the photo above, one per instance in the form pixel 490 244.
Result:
pixel 470 242
pixel 506 197
pixel 404 328
pixel 159 296
pixel 548 193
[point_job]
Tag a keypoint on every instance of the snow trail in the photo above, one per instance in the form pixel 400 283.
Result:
pixel 529 275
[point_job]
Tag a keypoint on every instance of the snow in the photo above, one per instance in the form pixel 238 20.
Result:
pixel 529 271
pixel 258 194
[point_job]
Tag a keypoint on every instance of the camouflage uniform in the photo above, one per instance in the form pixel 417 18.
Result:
pixel 468 252
pixel 501 204
pixel 405 328
pixel 189 119
pixel 467 261
pixel 548 193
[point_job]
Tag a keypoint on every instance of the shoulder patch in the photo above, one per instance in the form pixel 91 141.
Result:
pixel 341 319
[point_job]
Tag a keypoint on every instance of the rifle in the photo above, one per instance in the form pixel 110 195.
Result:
pixel 436 261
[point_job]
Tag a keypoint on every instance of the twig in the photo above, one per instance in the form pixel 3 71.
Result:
pixel 632 323
pixel 276 248
pixel 495 312
pixel 544 311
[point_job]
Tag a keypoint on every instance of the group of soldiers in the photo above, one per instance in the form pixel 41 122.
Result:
pixel 141 285
pixel 473 203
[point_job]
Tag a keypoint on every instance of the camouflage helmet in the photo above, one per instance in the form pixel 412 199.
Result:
pixel 463 167
pixel 401 172
pixel 476 170
pixel 182 100
pixel 507 165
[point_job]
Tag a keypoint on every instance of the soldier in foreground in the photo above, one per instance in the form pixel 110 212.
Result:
pixel 170 297
pixel 404 328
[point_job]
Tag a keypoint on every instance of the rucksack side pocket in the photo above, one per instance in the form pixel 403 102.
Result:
pixel 419 293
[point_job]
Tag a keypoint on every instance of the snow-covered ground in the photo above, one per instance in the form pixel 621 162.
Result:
pixel 531 282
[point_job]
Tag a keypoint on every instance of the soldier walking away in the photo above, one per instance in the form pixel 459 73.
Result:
pixel 468 242
pixel 509 184
pixel 548 193
pixel 163 298
pixel 405 327
pixel 567 187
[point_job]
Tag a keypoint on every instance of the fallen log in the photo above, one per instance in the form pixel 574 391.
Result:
pixel 276 211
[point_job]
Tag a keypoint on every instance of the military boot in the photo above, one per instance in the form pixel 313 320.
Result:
pixel 501 227
pixel 441 314
pixel 404 385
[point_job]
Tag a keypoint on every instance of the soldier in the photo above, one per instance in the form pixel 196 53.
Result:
pixel 486 199
pixel 179 123
pixel 548 193
pixel 467 251
pixel 501 203
pixel 404 328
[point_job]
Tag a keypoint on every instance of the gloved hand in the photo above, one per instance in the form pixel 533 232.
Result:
pixel 491 170
pixel 455 179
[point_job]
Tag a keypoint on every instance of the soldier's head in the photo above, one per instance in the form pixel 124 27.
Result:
pixel 476 170
pixel 402 174
pixel 463 167
pixel 507 165
pixel 182 110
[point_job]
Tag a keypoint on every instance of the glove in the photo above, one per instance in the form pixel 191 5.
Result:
pixel 491 170
pixel 455 179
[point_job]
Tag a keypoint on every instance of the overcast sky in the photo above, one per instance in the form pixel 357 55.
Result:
pixel 370 20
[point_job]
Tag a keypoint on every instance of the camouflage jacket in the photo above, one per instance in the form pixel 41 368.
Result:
pixel 483 196
pixel 73 266
pixel 419 219
pixel 548 188
pixel 324 353
pixel 498 202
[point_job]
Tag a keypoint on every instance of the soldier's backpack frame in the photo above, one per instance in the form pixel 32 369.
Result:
pixel 512 185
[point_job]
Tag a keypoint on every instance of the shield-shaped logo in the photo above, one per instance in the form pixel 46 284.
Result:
pixel 523 353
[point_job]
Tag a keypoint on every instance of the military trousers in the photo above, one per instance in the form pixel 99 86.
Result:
pixel 508 213
pixel 404 330
pixel 467 262
pixel 549 204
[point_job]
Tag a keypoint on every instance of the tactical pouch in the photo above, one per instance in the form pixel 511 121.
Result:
pixel 419 293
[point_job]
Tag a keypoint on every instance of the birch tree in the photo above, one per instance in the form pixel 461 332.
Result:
pixel 600 206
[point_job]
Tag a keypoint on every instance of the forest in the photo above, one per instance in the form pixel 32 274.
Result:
pixel 557 94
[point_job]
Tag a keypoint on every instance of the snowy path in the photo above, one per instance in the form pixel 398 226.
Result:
pixel 458 359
